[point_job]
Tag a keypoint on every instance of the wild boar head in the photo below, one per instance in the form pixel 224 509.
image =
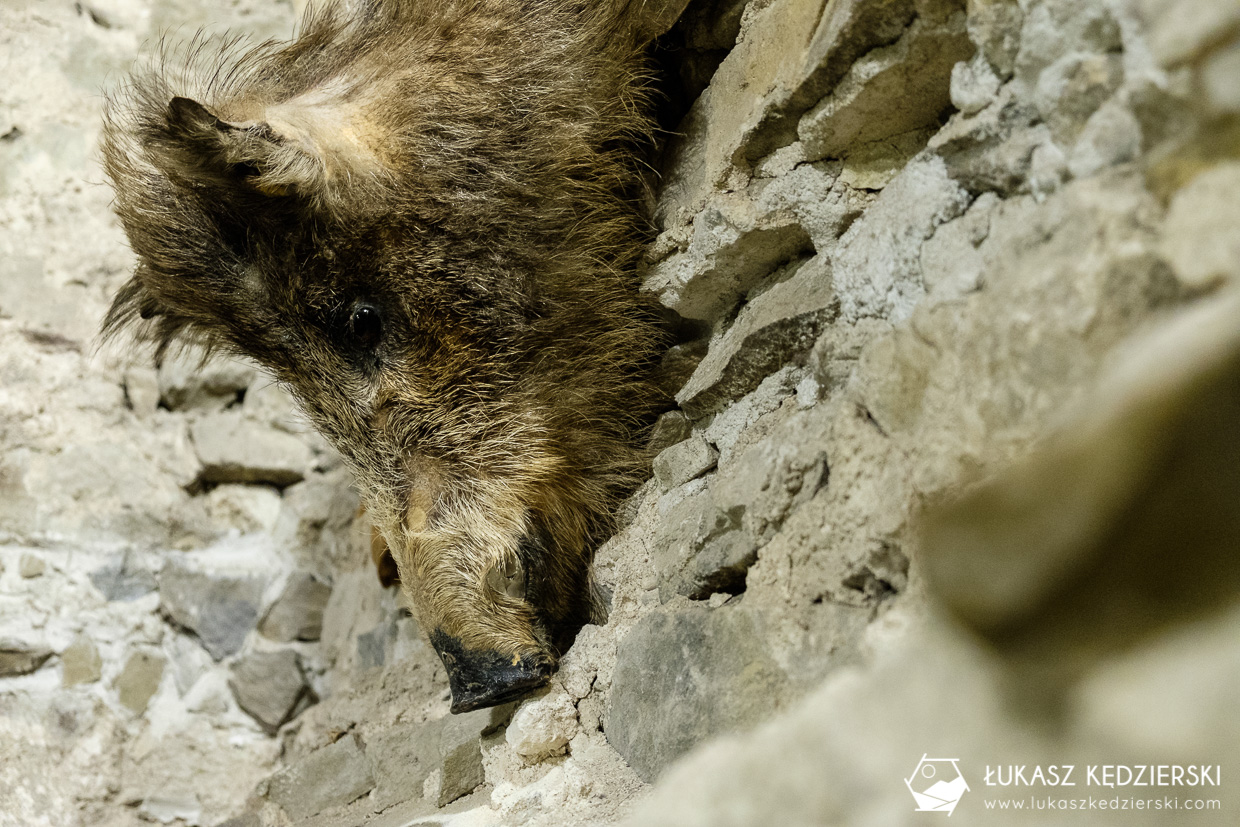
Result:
pixel 420 218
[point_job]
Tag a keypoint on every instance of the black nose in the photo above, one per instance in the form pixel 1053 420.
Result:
pixel 480 678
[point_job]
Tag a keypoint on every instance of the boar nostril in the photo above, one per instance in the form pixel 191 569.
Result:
pixel 482 678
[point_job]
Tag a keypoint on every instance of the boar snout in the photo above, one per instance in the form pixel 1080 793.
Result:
pixel 480 678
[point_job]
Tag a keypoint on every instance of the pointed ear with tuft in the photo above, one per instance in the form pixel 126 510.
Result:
pixel 200 147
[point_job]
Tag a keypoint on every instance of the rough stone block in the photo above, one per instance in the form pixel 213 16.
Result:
pixel 992 149
pixel 139 680
pixel 81 662
pixel 460 751
pixel 1111 136
pixel 889 91
pixel 684 675
pixel 31 566
pixel 994 27
pixel 543 726
pixel 220 610
pixel 734 245
pixel 684 461
pixel 269 686
pixel 121 581
pixel 234 449
pixel 332 776
pixel 245 507
pixel 720 565
pixel 877 266
pixel 402 757
pixel 778 326
pixel 1180 31
pixel 671 428
pixel 297 614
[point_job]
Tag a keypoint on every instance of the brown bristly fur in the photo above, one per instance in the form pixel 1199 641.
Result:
pixel 468 170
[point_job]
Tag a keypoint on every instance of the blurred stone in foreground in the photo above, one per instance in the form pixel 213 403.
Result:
pixel 1122 522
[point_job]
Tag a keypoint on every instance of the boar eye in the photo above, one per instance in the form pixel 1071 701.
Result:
pixel 366 326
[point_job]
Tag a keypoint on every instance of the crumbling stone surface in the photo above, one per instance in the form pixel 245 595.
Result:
pixel 950 464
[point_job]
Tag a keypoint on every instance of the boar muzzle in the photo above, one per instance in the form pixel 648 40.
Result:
pixel 479 679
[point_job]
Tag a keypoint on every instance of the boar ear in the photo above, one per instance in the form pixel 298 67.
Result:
pixel 207 149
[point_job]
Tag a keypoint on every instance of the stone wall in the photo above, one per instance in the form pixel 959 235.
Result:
pixel 951 470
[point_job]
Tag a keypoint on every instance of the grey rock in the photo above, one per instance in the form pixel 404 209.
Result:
pixel 750 108
pixel 720 565
pixel 1054 29
pixel 671 428
pixel 778 326
pixel 1048 169
pixel 269 686
pixel 139 680
pixel 316 520
pixel 31 565
pixel 877 266
pixel 234 449
pixel 684 461
pixel 81 662
pixel 243 820
pixel 332 776
pixel 297 614
pixel 974 85
pixel 827 196
pixel 951 263
pixel 543 726
pixel 1218 80
pixel 460 751
pixel 889 91
pixel 17 658
pixel 402 756
pixel 246 508
pixel 121 582
pixel 991 150
pixel 684 675
pixel 732 427
pixel 688 527
pixel 373 646
pixel 187 659
pixel 772 477
pixel 734 246
pixel 220 610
